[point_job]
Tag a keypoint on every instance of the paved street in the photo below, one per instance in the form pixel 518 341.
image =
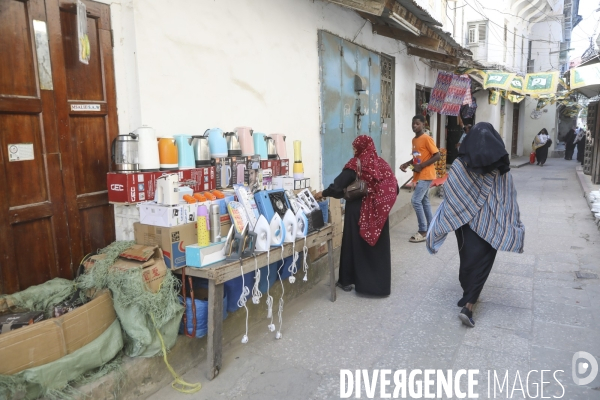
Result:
pixel 533 314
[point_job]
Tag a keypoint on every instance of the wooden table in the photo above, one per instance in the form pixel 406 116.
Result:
pixel 219 273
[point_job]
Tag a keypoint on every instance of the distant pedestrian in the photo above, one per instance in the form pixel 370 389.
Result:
pixel 541 143
pixel 480 205
pixel 569 144
pixel 425 154
pixel 365 259
pixel 580 143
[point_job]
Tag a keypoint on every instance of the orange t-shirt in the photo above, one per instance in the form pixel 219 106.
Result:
pixel 425 145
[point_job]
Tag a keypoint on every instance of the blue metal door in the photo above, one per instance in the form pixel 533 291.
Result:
pixel 345 112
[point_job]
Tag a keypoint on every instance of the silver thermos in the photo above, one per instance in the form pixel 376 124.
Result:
pixel 215 223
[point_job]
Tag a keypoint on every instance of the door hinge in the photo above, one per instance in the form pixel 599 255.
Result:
pixel 342 51
pixel 369 61
pixel 323 127
pixel 342 127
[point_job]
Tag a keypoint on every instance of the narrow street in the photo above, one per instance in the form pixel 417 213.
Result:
pixel 534 313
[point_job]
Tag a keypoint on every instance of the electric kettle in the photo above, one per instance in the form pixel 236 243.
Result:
pixel 280 144
pixel 201 151
pixel 185 152
pixel 260 146
pixel 244 134
pixel 125 153
pixel 233 144
pixel 271 148
pixel 148 149
pixel 216 143
pixel 167 153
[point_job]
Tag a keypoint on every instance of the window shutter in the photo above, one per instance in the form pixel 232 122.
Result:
pixel 482 32
pixel 472 34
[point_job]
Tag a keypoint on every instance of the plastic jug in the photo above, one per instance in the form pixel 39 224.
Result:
pixel 185 152
pixel 260 146
pixel 167 153
pixel 216 143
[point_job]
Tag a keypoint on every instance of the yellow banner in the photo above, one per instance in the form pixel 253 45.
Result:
pixel 498 80
pixel 585 76
pixel 541 83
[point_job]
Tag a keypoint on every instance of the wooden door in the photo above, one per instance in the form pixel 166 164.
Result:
pixel 515 129
pixel 53 203
pixel 34 239
pixel 85 135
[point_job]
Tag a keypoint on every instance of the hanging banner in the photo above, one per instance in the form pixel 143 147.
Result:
pixel 585 76
pixel 541 83
pixel 494 96
pixel 498 80
pixel 516 85
pixel 448 94
pixel 515 98
pixel 82 33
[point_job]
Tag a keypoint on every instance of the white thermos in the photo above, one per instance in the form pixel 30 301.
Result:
pixel 215 223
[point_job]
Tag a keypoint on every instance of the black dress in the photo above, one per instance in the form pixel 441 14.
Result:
pixel 368 268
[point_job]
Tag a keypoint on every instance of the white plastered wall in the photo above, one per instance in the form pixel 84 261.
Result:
pixel 185 66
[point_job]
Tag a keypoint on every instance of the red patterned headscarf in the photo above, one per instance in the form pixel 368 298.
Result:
pixel 382 185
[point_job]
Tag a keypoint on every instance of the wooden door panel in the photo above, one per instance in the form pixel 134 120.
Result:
pixel 84 82
pixel 35 260
pixel 90 147
pixel 33 226
pixel 27 180
pixel 18 76
pixel 97 227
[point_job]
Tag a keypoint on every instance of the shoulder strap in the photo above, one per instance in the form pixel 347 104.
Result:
pixel 359 167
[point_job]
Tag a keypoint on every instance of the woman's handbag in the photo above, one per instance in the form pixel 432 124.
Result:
pixel 358 188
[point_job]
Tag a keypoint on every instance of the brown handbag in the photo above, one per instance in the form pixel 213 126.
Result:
pixel 358 188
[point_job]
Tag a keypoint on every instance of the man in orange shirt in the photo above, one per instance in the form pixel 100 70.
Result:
pixel 425 154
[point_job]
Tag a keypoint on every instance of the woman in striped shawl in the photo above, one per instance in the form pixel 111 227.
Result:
pixel 480 206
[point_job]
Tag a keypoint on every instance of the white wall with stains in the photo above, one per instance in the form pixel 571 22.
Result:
pixel 186 66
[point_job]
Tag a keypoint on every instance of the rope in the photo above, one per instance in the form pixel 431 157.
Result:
pixel 242 301
pixel 271 326
pixel 280 312
pixel 293 268
pixel 192 387
pixel 256 294
pixel 304 262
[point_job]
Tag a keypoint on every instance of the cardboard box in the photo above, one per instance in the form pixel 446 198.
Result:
pixel 285 167
pixel 223 172
pixel 283 182
pixel 136 187
pixel 49 340
pixel 267 179
pixel 149 259
pixel 199 257
pixel 252 163
pixel 238 170
pixel 273 165
pixel 172 241
pixel 167 216
pixel 316 252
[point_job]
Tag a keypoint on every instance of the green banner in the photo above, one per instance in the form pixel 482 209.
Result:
pixel 498 80
pixel 585 76
pixel 541 83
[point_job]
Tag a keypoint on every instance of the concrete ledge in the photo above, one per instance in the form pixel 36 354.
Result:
pixel 585 181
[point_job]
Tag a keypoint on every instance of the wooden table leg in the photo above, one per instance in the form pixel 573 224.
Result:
pixel 215 328
pixel 331 269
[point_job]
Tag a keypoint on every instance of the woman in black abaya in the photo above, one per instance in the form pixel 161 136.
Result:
pixel 480 205
pixel 540 145
pixel 365 259
pixel 570 144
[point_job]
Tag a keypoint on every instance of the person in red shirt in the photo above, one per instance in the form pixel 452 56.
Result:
pixel 425 154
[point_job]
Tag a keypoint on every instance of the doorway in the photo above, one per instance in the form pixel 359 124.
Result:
pixel 515 130
pixel 61 115
pixel 351 85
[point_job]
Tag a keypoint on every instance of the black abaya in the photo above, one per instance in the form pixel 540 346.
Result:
pixel 581 150
pixel 476 259
pixel 569 145
pixel 368 268
pixel 541 153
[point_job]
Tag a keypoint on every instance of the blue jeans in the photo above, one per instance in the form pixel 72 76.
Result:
pixel 420 202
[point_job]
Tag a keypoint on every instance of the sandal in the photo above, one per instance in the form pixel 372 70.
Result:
pixel 417 238
pixel 346 288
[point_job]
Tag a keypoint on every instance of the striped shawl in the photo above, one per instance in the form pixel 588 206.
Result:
pixel 488 203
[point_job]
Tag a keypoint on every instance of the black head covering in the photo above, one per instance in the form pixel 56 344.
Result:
pixel 483 150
